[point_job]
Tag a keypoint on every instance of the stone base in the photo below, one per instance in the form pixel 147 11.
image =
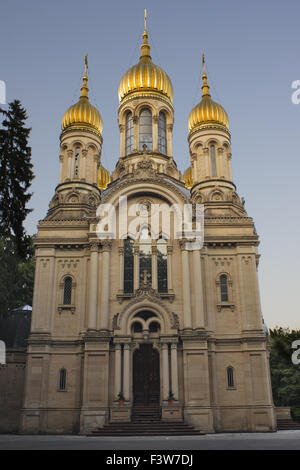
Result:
pixel 90 420
pixel 171 413
pixel 283 412
pixel 199 418
pixel 120 414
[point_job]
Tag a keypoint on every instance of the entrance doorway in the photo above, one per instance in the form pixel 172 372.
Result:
pixel 146 380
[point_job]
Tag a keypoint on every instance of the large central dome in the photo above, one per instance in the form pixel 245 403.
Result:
pixel 145 77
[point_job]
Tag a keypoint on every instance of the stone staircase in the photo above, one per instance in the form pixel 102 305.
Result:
pixel 146 421
pixel 287 424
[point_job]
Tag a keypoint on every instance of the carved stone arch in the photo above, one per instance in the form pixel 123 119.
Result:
pixel 93 147
pixel 137 320
pixel 142 303
pixel 169 115
pixel 156 186
pixel 127 108
pixel 77 143
pixel 216 195
pixel 144 104
pixel 64 147
pixel 73 197
pixel 64 275
pixel 212 141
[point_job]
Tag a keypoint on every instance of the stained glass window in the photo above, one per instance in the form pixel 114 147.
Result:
pixel 145 257
pixel 62 379
pixel 162 140
pixel 162 266
pixel 213 160
pixel 67 291
pixel 128 266
pixel 129 134
pixel 230 378
pixel 145 128
pixel 224 288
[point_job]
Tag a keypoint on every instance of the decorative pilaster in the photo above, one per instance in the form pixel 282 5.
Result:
pixel 198 291
pixel 83 164
pixel 121 269
pixel 92 319
pixel 169 139
pixel 105 286
pixel 174 371
pixel 165 370
pixel 135 120
pixel 70 155
pixel 170 268
pixel 122 140
pixel 186 287
pixel 126 372
pixel 117 383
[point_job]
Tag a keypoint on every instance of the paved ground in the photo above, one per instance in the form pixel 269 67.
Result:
pixel 281 440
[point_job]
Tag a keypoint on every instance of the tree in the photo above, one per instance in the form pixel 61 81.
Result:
pixel 15 176
pixel 285 375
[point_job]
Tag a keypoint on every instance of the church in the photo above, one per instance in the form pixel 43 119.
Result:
pixel 142 322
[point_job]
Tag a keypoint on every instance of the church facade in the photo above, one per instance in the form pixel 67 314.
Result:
pixel 140 319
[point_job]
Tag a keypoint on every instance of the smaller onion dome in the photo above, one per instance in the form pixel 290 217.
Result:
pixel 103 178
pixel 207 112
pixel 82 114
pixel 188 178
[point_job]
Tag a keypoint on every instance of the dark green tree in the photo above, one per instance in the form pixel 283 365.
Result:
pixel 15 176
pixel 285 375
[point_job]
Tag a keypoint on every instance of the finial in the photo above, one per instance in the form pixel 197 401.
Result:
pixel 145 47
pixel 84 88
pixel 205 86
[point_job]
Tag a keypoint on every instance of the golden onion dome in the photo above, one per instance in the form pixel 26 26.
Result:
pixel 103 178
pixel 82 114
pixel 188 178
pixel 145 77
pixel 207 112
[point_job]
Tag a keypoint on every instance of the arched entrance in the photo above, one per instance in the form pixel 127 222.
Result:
pixel 146 380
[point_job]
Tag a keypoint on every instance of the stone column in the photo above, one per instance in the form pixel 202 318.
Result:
pixel 135 120
pixel 105 285
pixel 61 168
pixel 165 370
pixel 117 386
pixel 122 140
pixel 154 266
pixel 95 170
pixel 198 290
pixel 126 372
pixel 93 298
pixel 169 267
pixel 155 133
pixel 70 154
pixel 229 166
pixel 221 167
pixel 186 287
pixel 169 139
pixel 174 371
pixel 207 162
pixel 83 164
pixel 136 274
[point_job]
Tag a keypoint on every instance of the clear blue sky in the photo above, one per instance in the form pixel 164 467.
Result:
pixel 253 55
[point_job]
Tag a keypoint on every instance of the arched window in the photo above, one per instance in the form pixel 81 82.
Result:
pixel 162 266
pixel 128 266
pixel 145 128
pixel 230 377
pixel 137 327
pixel 213 160
pixel 162 140
pixel 62 379
pixel 224 288
pixel 76 162
pixel 154 327
pixel 67 291
pixel 129 134
pixel 145 257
